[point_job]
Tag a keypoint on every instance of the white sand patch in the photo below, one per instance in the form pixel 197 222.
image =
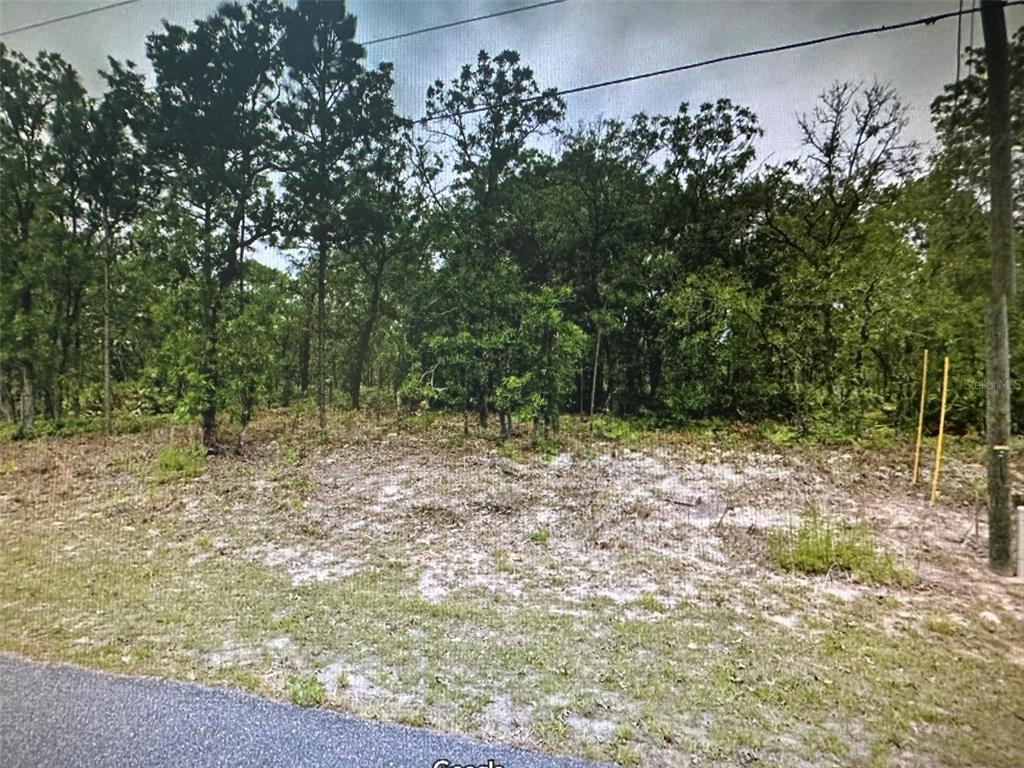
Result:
pixel 362 688
pixel 788 621
pixel 430 587
pixel 847 592
pixel 304 565
pixel 233 654
pixel 506 716
pixel 593 729
pixel 279 644
pixel 334 677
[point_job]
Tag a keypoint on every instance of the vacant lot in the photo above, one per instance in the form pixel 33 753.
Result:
pixel 617 594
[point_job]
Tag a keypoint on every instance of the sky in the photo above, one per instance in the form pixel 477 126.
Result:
pixel 583 41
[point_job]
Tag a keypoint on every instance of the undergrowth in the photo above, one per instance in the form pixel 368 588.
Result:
pixel 174 462
pixel 820 546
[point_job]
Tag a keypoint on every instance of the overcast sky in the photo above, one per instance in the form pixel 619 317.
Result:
pixel 582 41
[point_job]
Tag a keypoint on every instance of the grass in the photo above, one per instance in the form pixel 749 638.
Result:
pixel 820 546
pixel 306 691
pixel 174 462
pixel 710 679
pixel 540 536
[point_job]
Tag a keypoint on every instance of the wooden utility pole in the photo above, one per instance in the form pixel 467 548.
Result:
pixel 1001 291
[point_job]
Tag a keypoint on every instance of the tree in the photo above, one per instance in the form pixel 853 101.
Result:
pixel 116 181
pixel 484 118
pixel 381 214
pixel 215 141
pixel 829 281
pixel 323 121
pixel 30 93
pixel 601 200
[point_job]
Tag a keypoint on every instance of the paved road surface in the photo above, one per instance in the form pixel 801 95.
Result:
pixel 58 716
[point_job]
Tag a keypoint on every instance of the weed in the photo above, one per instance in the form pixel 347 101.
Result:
pixel 649 602
pixel 818 546
pixel 306 691
pixel 174 462
pixel 510 450
pixel 547 447
pixel 540 536
pixel 412 717
pixel 777 434
pixel 619 430
pixel 940 625
pixel 625 756
pixel 501 563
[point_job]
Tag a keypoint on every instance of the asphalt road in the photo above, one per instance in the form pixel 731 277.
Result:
pixel 56 715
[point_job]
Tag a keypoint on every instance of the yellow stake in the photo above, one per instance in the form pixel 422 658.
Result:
pixel 942 426
pixel 920 418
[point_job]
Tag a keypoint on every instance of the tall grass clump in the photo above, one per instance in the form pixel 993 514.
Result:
pixel 818 546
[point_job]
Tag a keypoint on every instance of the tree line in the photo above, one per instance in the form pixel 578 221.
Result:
pixel 491 258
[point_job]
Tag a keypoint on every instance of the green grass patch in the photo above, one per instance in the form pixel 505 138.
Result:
pixel 618 430
pixel 174 462
pixel 306 691
pixel 540 536
pixel 820 546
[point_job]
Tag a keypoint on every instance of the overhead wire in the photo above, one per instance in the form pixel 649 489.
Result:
pixel 58 19
pixel 922 21
pixel 461 22
pixel 375 41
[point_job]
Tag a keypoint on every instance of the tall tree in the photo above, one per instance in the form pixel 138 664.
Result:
pixel 322 119
pixel 381 213
pixel 215 140
pixel 116 182
pixel 30 92
pixel 484 118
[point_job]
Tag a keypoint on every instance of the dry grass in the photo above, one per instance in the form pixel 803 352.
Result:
pixel 610 595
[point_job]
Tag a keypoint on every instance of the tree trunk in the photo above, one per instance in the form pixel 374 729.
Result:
pixel 107 387
pixel 210 377
pixel 28 403
pixel 7 409
pixel 321 342
pixel 997 336
pixel 355 381
pixel 593 381
pixel 304 349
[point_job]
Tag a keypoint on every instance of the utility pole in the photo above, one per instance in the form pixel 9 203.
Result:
pixel 1001 291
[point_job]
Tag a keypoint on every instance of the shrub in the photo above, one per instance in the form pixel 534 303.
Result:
pixel 540 536
pixel 819 546
pixel 306 691
pixel 777 434
pixel 174 462
pixel 619 430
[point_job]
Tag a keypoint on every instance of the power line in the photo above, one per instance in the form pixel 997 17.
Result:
pixel 76 15
pixel 926 20
pixel 959 43
pixel 460 22
pixel 376 41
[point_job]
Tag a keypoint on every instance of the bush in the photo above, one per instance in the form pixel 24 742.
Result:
pixel 306 691
pixel 540 536
pixel 618 430
pixel 818 546
pixel 174 462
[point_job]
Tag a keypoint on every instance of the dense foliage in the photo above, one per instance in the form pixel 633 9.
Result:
pixel 491 259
